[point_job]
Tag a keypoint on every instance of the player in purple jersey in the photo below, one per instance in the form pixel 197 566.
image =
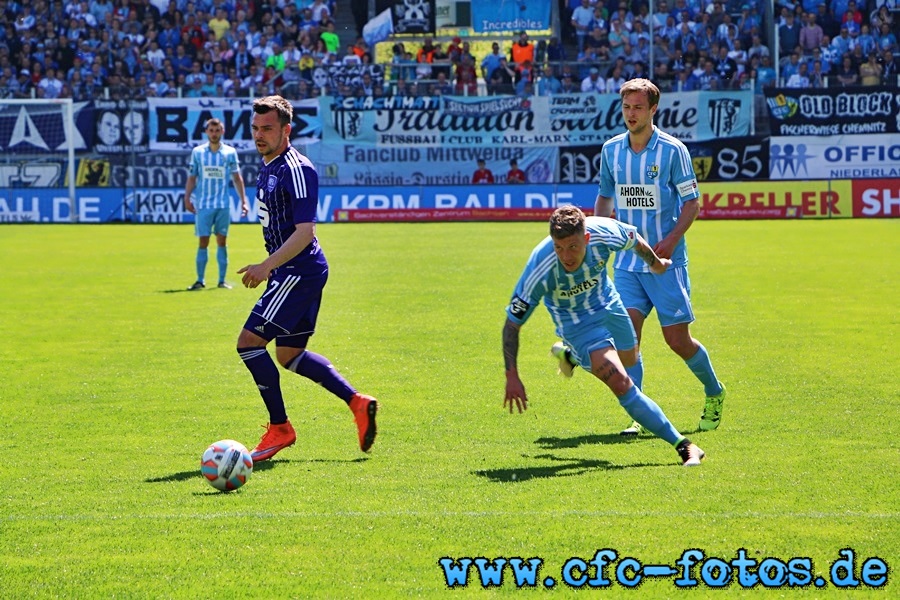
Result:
pixel 287 194
pixel 646 176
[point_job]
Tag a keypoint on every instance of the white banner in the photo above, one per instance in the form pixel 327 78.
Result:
pixel 835 157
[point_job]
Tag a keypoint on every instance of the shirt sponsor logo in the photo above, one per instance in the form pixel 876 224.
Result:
pixel 638 197
pixel 213 172
pixel 577 289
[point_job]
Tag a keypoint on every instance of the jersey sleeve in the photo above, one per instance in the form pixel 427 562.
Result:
pixel 194 166
pixel 301 182
pixel 683 176
pixel 234 163
pixel 613 234
pixel 607 187
pixel 529 289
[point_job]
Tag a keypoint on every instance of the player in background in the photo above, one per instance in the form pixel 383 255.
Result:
pixel 567 270
pixel 287 191
pixel 647 178
pixel 211 163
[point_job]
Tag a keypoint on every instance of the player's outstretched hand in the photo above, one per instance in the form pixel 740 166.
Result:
pixel 515 395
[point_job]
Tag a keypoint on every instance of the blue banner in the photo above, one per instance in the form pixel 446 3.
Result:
pixel 104 205
pixel 489 16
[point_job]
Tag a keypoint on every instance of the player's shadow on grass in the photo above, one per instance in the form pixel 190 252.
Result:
pixel 557 443
pixel 564 467
pixel 257 468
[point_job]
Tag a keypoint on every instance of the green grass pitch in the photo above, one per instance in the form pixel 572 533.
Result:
pixel 114 381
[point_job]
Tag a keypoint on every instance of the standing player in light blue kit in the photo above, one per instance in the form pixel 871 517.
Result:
pixel 647 176
pixel 567 271
pixel 211 165
pixel 287 193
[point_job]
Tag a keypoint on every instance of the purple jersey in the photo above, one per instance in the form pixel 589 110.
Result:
pixel 287 193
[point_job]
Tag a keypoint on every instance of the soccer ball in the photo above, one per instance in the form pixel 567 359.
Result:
pixel 226 465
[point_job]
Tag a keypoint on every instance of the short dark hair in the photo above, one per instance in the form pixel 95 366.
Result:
pixel 267 104
pixel 565 221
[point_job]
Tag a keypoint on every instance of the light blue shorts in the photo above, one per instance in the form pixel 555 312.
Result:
pixel 669 294
pixel 210 220
pixel 611 328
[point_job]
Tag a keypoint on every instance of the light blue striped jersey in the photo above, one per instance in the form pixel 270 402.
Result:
pixel 649 189
pixel 575 298
pixel 213 170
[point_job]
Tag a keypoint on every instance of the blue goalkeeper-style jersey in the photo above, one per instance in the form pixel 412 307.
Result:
pixel 649 189
pixel 287 193
pixel 573 299
pixel 213 170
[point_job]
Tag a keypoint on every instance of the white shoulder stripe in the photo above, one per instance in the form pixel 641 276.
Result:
pixel 539 272
pixel 292 158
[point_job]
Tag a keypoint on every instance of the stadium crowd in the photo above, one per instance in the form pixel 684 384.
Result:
pixel 93 49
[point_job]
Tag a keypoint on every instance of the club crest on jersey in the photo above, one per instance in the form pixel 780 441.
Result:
pixel 272 182
pixel 653 171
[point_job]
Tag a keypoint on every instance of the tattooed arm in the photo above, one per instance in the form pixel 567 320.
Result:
pixel 515 389
pixel 657 265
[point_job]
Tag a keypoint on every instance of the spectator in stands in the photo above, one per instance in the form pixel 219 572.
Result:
pixel 709 80
pixel 800 79
pixel 425 54
pixel 843 44
pixel 515 174
pixel 749 22
pixel 879 16
pixel 521 51
pixel 886 39
pixel 870 71
pixel 866 40
pixel 568 84
pixel 817 57
pixel 817 76
pixel 548 84
pixel 852 18
pixel 617 38
pixel 615 80
pixel 582 19
pixel 491 62
pixel 831 25
pixel 320 12
pixel 765 74
pixel 788 35
pixel 757 48
pixel 502 79
pixel 593 82
pixel 739 56
pixel 811 34
pixel 482 174
pixel 466 77
pixel 791 67
pixel 888 68
pixel 725 67
pixel 847 75
pixel 331 39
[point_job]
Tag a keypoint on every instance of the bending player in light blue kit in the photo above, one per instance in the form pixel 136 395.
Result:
pixel 648 177
pixel 567 271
